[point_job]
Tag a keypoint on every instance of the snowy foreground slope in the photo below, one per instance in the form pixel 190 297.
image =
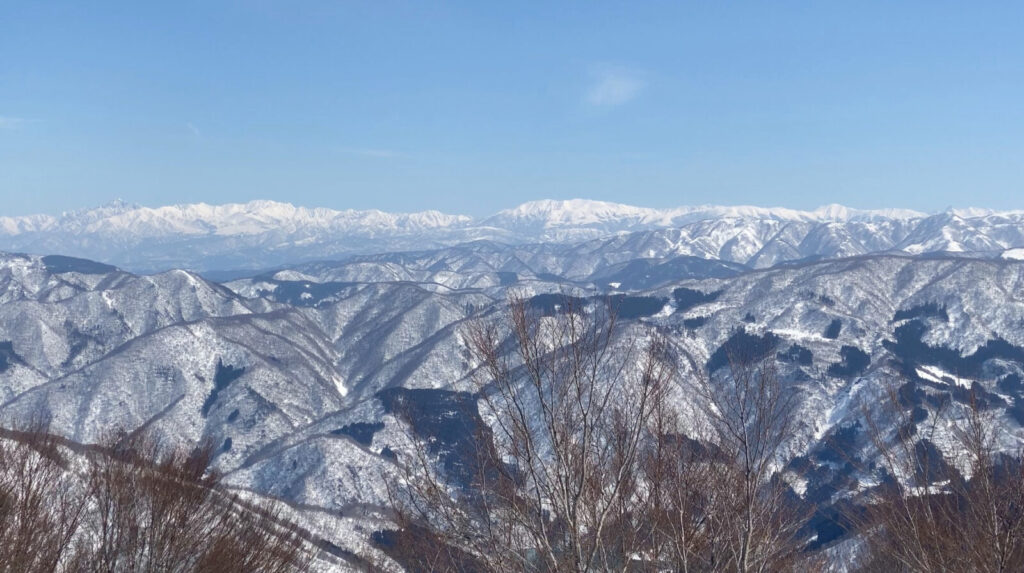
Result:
pixel 266 234
pixel 292 374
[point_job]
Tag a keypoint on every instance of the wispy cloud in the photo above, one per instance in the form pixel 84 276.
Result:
pixel 613 86
pixel 195 130
pixel 370 152
pixel 7 122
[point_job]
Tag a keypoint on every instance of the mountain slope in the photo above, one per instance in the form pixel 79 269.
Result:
pixel 293 375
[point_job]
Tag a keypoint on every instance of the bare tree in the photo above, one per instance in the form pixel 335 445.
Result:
pixel 130 505
pixel 685 479
pixel 159 509
pixel 933 513
pixel 40 515
pixel 590 467
pixel 555 485
pixel 750 418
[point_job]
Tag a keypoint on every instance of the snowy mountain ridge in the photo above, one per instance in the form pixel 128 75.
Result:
pixel 553 213
pixel 228 219
pixel 264 234
pixel 262 215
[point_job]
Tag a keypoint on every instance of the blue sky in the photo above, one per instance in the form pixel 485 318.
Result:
pixel 476 106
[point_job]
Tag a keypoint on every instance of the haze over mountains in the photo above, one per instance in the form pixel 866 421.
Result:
pixel 266 234
pixel 294 373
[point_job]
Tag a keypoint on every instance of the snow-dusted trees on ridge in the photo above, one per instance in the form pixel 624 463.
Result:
pixel 588 462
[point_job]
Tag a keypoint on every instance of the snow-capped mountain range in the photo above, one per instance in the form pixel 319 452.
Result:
pixel 292 373
pixel 266 234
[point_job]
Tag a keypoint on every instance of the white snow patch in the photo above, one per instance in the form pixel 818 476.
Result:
pixel 935 374
pixel 666 310
pixel 797 334
pixel 1016 254
pixel 340 385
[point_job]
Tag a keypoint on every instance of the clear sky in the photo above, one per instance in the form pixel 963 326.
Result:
pixel 471 107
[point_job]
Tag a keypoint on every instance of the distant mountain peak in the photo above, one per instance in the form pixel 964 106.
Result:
pixel 552 212
pixel 119 203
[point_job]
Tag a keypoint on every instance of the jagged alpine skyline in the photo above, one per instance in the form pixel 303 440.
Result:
pixel 260 235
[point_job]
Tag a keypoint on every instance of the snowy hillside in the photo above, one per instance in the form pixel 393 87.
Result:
pixel 293 375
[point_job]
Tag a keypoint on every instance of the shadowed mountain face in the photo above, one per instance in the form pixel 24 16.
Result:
pixel 297 376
